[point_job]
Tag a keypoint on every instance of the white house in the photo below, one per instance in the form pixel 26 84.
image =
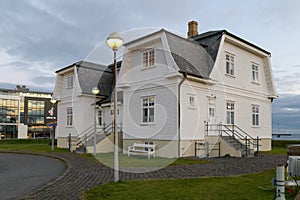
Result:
pixel 209 94
pixel 73 90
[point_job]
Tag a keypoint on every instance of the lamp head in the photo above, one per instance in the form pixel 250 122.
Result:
pixel 95 91
pixel 114 41
pixel 53 100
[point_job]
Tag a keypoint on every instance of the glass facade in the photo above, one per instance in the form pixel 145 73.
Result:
pixel 9 111
pixel 21 106
pixel 36 112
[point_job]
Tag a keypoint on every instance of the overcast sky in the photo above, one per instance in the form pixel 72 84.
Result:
pixel 38 37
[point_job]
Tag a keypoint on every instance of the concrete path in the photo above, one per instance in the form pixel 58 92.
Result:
pixel 84 173
pixel 23 173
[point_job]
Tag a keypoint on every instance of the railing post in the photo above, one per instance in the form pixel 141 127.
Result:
pixel 85 143
pixel 206 128
pixel 219 149
pixel 220 128
pixel 70 142
pixel 195 148
pixel 246 146
pixel 257 146
pixel 232 130
pixel 121 127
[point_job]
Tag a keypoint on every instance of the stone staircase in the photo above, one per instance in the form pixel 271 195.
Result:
pixel 81 148
pixel 238 146
pixel 86 138
pixel 241 142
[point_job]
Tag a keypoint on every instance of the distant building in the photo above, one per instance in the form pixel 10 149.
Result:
pixel 25 113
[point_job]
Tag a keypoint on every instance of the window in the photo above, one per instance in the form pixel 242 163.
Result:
pixel 229 64
pixel 211 112
pixel 36 112
pixel 100 117
pixel 148 109
pixel 69 117
pixel 230 112
pixel 255 77
pixel 255 115
pixel 69 81
pixel 148 58
pixel 9 110
pixel 191 101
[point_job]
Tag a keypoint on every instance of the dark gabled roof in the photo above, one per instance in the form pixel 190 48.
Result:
pixel 91 75
pixel 110 98
pixel 189 56
pixel 212 40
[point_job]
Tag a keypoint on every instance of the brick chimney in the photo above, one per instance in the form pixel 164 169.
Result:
pixel 192 29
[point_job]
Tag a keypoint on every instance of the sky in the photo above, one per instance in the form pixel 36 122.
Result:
pixel 38 37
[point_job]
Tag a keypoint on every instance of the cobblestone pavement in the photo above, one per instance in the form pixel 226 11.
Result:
pixel 84 173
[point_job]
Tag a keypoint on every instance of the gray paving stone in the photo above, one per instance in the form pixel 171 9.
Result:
pixel 84 173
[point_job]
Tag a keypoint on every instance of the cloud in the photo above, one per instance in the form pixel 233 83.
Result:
pixel 286 112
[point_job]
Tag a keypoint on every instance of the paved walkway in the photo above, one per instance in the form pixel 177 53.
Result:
pixel 22 173
pixel 83 173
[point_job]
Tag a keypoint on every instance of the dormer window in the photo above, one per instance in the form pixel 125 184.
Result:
pixel 148 58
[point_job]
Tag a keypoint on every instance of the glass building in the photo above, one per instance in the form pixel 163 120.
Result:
pixel 25 113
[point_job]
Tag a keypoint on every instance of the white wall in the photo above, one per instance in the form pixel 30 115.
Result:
pixel 241 90
pixel 193 118
pixel 165 122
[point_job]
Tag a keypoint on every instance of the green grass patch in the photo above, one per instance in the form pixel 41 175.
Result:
pixel 143 161
pixel 253 186
pixel 276 150
pixel 284 143
pixel 36 145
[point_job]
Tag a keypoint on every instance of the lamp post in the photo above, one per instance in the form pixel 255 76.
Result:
pixel 53 101
pixel 115 41
pixel 95 91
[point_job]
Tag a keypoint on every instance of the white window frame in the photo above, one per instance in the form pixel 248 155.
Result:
pixel 148 58
pixel 70 81
pixel 255 72
pixel 148 104
pixel 255 115
pixel 69 117
pixel 230 107
pixel 229 60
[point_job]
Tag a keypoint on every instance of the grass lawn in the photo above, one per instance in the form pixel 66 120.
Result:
pixel 37 145
pixel 276 150
pixel 253 186
pixel 142 161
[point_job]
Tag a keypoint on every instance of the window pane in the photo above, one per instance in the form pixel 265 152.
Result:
pixel 151 115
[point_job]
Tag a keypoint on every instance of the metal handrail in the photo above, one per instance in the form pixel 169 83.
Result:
pixel 235 132
pixel 89 132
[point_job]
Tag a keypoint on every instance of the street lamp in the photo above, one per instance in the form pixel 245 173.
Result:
pixel 95 91
pixel 53 101
pixel 115 41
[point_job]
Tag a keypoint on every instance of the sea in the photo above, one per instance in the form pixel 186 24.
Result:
pixel 285 134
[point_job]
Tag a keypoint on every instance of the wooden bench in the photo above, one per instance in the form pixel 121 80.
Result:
pixel 146 149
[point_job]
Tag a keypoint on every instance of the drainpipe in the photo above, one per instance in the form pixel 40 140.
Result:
pixel 179 87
